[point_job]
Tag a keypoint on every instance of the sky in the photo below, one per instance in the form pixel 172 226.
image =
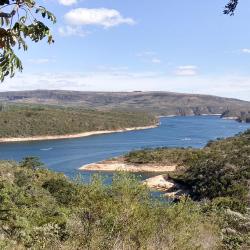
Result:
pixel 148 45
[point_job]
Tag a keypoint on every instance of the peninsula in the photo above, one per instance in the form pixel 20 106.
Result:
pixel 40 122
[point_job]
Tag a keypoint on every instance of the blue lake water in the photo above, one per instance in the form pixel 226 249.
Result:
pixel 68 155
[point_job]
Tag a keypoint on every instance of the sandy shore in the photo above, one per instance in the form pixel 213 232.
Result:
pixel 118 164
pixel 84 134
pixel 160 182
pixel 230 118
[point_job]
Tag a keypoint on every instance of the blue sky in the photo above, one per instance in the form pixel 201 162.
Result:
pixel 117 45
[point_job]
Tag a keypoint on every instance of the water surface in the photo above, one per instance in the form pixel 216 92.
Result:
pixel 68 155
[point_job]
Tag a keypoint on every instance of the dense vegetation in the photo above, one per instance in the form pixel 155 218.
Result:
pixel 40 209
pixel 24 121
pixel 162 156
pixel 220 170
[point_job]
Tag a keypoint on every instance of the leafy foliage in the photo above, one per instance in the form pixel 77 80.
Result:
pixel 16 25
pixel 48 211
pixel 31 162
pixel 231 7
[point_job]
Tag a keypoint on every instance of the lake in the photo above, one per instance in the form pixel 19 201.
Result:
pixel 68 155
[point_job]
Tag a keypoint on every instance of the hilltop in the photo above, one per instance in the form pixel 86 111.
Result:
pixel 159 103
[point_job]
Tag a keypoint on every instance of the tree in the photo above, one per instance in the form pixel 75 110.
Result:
pixel 231 7
pixel 31 162
pixel 19 21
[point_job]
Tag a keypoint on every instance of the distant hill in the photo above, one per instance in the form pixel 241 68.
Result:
pixel 160 103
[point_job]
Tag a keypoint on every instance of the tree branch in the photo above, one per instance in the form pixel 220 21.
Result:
pixel 8 15
pixel 231 7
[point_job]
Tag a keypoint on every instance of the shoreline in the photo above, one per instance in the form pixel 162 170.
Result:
pixel 230 118
pixel 170 116
pixel 118 164
pixel 72 136
pixel 159 182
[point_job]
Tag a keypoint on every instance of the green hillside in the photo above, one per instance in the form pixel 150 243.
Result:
pixel 24 121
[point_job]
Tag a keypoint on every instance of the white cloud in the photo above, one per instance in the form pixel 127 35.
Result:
pixel 72 31
pixel 67 2
pixel 41 60
pixel 146 54
pixel 246 51
pixel 149 57
pixel 187 70
pixel 156 60
pixel 102 17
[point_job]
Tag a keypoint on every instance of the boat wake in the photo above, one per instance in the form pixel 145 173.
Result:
pixel 46 149
pixel 186 139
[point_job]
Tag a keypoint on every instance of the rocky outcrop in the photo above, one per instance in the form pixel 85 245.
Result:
pixel 171 189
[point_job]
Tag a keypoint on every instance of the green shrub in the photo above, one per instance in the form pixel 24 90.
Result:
pixel 65 192
pixel 31 162
pixel 51 212
pixel 234 204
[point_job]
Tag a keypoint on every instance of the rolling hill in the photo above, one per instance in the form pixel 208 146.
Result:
pixel 159 103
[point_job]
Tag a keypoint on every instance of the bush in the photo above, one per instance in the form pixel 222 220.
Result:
pixel 63 190
pixel 55 213
pixel 31 162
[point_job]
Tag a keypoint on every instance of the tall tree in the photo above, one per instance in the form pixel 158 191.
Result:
pixel 19 20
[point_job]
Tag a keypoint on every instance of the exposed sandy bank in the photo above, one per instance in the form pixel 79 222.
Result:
pixel 118 164
pixel 171 189
pixel 230 118
pixel 159 182
pixel 85 134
